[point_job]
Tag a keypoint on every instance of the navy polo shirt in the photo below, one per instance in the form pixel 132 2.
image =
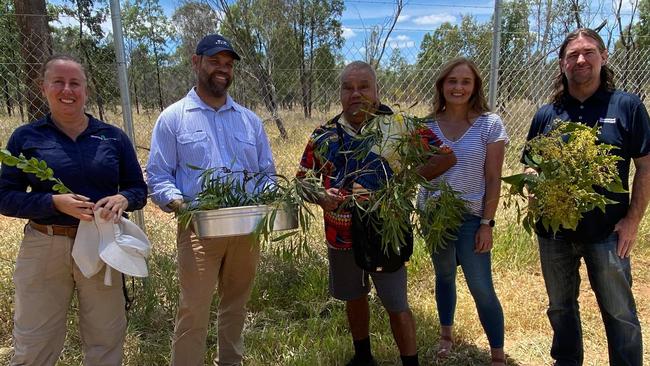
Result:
pixel 624 123
pixel 101 162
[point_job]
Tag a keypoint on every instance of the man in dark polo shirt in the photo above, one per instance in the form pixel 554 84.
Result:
pixel 584 92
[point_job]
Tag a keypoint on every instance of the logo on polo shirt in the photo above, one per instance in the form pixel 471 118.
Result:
pixel 103 138
pixel 607 120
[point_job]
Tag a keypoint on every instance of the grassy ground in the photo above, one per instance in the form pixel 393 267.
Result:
pixel 293 321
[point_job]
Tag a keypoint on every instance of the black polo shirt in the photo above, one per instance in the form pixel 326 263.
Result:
pixel 624 124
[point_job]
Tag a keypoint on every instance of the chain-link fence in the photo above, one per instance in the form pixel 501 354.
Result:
pixel 278 78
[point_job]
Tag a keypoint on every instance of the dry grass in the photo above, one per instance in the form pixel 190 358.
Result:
pixel 292 320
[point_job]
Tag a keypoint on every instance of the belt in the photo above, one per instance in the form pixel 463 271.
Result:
pixel 69 231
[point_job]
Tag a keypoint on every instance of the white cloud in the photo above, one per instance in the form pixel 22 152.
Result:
pixel 399 38
pixel 434 19
pixel 403 18
pixel 348 33
pixel 405 44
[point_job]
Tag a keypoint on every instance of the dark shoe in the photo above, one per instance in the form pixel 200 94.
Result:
pixel 356 362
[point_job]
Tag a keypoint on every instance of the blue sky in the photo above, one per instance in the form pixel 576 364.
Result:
pixel 418 17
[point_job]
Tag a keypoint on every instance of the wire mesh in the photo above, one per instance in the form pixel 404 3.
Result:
pixel 281 78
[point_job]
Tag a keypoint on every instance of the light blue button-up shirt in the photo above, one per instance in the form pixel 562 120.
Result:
pixel 190 132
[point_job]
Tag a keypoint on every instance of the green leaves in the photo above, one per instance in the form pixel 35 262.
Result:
pixel 571 165
pixel 222 188
pixel 33 166
pixel 398 140
pixel 441 217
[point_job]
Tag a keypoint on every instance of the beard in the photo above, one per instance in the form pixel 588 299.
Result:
pixel 215 88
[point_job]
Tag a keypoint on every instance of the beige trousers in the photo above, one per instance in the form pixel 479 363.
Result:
pixel 229 264
pixel 45 278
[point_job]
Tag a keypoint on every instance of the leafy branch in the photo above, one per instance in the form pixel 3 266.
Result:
pixel 34 166
pixel 393 147
pixel 223 188
pixel 572 167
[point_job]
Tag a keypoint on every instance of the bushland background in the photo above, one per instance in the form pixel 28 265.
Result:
pixel 292 53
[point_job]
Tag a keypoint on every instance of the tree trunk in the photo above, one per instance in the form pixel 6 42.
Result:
pixel 31 17
pixel 160 98
pixel 135 97
pixel 7 96
pixel 269 97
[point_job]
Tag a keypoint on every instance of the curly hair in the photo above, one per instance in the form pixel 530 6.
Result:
pixel 477 102
pixel 560 83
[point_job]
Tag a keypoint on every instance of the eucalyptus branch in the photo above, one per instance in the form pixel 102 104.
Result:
pixel 393 147
pixel 33 166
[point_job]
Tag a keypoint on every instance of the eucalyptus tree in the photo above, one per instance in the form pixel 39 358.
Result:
pixel 192 20
pixel 36 46
pixel 147 28
pixel 316 30
pixel 9 57
pixel 258 30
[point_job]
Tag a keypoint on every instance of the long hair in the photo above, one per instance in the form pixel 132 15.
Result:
pixel 560 84
pixel 477 102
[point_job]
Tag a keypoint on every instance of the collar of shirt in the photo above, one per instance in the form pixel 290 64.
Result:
pixel 350 130
pixel 195 102
pixel 94 124
pixel 601 95
pixel 591 110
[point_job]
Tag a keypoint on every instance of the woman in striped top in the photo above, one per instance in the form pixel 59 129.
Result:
pixel 462 120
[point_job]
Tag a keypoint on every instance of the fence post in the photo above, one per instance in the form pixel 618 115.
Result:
pixel 120 59
pixel 494 61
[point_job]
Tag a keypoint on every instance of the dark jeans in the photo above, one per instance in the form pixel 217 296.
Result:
pixel 477 268
pixel 611 281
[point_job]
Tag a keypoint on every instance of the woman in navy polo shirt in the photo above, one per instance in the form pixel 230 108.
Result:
pixel 462 121
pixel 97 162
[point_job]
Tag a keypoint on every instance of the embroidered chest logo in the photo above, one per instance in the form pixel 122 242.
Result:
pixel 103 138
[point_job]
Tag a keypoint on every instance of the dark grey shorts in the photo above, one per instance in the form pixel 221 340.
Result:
pixel 349 282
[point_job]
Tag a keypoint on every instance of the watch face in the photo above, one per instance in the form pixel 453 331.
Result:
pixel 487 222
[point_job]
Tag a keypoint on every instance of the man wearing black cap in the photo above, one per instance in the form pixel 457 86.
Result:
pixel 209 130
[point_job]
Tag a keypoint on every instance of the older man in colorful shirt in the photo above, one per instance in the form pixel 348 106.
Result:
pixel 324 157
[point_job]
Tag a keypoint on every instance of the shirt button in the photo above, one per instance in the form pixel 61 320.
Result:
pixel 582 107
pixel 580 118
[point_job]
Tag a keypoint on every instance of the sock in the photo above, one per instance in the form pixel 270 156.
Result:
pixel 362 349
pixel 410 360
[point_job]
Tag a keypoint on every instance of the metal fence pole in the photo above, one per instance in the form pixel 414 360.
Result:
pixel 120 59
pixel 494 62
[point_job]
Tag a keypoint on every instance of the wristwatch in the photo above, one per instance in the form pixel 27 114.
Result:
pixel 488 222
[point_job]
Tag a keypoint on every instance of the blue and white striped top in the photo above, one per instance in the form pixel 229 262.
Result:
pixel 468 174
pixel 191 132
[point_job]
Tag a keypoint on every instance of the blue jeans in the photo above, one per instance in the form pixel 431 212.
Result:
pixel 611 280
pixel 478 273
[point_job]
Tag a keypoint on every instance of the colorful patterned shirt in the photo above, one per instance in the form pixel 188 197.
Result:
pixel 326 158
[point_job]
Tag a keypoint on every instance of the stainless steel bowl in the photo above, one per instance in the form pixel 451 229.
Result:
pixel 234 221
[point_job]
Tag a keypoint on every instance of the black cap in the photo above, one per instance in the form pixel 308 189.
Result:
pixel 212 44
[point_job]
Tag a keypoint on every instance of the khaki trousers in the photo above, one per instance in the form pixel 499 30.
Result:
pixel 45 278
pixel 229 264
